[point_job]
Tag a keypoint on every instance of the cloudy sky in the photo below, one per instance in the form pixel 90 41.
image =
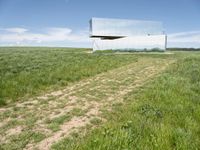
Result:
pixel 65 22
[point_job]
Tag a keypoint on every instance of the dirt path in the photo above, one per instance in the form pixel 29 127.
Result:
pixel 54 116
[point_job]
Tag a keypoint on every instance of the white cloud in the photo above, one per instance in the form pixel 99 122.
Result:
pixel 24 36
pixel 67 37
pixel 59 30
pixel 15 30
pixel 192 36
pixel 184 39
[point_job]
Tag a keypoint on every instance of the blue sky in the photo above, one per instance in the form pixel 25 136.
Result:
pixel 65 22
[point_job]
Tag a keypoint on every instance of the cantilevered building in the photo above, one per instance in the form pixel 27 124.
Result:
pixel 121 34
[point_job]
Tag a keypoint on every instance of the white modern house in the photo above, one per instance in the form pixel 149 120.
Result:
pixel 122 34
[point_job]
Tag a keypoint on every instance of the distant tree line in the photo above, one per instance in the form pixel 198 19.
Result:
pixel 183 49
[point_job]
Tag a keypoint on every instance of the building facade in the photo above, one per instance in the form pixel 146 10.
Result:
pixel 121 34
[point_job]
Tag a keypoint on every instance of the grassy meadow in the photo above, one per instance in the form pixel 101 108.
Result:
pixel 165 114
pixel 25 72
pixel 66 98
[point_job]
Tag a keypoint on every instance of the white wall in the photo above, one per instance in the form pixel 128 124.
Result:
pixel 124 28
pixel 137 43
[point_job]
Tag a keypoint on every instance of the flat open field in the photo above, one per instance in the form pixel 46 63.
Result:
pixel 65 98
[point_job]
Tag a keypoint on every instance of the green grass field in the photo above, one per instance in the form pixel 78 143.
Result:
pixel 25 72
pixel 64 98
pixel 163 115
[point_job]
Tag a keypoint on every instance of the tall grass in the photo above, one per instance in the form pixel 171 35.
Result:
pixel 164 115
pixel 29 71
